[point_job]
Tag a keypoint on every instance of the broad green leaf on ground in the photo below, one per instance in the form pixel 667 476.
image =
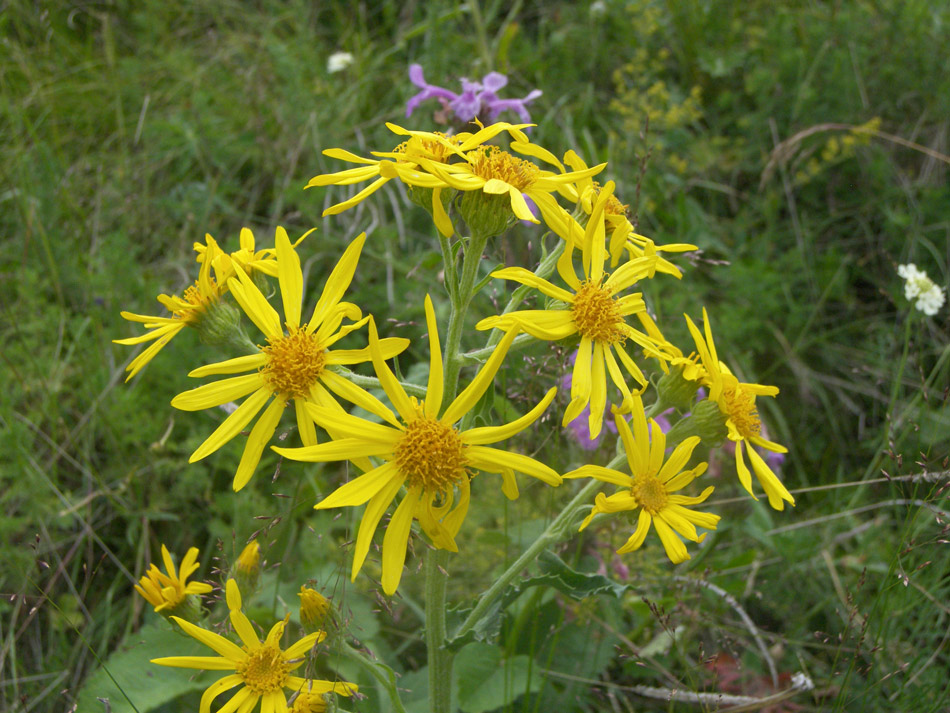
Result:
pixel 485 681
pixel 130 683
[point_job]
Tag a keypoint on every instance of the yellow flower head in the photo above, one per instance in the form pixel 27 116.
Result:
pixel 248 258
pixel 617 222
pixel 651 487
pixel 292 367
pixel 167 591
pixel 186 311
pixel 423 451
pixel 403 164
pixel 262 668
pixel 736 402
pixel 595 311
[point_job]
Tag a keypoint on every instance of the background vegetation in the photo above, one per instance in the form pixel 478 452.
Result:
pixel 801 145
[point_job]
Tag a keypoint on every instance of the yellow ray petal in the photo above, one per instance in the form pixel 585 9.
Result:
pixel 308 434
pixel 598 392
pixel 370 520
pixel 473 392
pixel 340 449
pixel 230 366
pixel 338 281
pixel 346 389
pixel 675 549
pixel 494 460
pixel 396 540
pixel 526 277
pixel 254 305
pixel 233 424
pixel 206 663
pixel 768 480
pixel 493 434
pixel 745 476
pixel 387 379
pixel 290 278
pixel 639 535
pixel 218 643
pixel 599 472
pixel 678 459
pixel 433 401
pixel 260 436
pixel 361 489
pixel 350 202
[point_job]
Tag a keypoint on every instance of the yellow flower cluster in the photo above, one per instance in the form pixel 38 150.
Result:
pixel 419 451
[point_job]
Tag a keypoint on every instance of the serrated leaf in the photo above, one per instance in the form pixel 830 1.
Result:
pixel 127 675
pixel 555 574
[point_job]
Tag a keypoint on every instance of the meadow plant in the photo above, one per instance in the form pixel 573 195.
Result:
pixel 427 454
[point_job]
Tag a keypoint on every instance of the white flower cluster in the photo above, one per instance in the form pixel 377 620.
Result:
pixel 918 286
pixel 338 61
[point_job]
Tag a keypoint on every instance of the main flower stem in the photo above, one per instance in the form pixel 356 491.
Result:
pixel 440 657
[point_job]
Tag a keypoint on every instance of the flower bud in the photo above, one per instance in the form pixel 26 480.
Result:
pixel 314 609
pixel 486 214
pixel 220 325
pixel 247 569
pixel 675 390
pixel 705 421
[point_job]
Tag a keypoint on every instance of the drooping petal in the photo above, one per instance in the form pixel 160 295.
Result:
pixel 371 517
pixel 396 540
pixel 745 476
pixel 675 549
pixel 361 489
pixel 598 391
pixel 773 487
pixel 256 441
pixel 492 434
pixel 494 460
pixel 639 535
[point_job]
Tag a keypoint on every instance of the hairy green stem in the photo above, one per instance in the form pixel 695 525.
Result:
pixel 440 658
pixel 464 292
pixel 556 531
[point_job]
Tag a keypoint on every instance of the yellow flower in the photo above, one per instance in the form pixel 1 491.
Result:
pixel 292 367
pixel 262 668
pixel 186 310
pixel 651 487
pixel 736 402
pixel 248 258
pixel 596 311
pixel 433 147
pixel 617 220
pixel 166 592
pixel 494 172
pixel 425 452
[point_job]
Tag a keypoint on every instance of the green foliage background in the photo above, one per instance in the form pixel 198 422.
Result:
pixel 129 129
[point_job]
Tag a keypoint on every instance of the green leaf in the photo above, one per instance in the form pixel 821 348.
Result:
pixel 485 681
pixel 555 574
pixel 130 683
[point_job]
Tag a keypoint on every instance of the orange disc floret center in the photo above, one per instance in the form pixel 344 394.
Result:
pixel 431 455
pixel 294 363
pixel 491 162
pixel 597 314
pixel 264 670
pixel 650 493
pixel 741 410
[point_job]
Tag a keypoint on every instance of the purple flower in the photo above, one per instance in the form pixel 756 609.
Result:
pixel 478 99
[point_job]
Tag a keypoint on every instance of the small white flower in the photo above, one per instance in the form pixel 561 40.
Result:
pixel 930 297
pixel 339 61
